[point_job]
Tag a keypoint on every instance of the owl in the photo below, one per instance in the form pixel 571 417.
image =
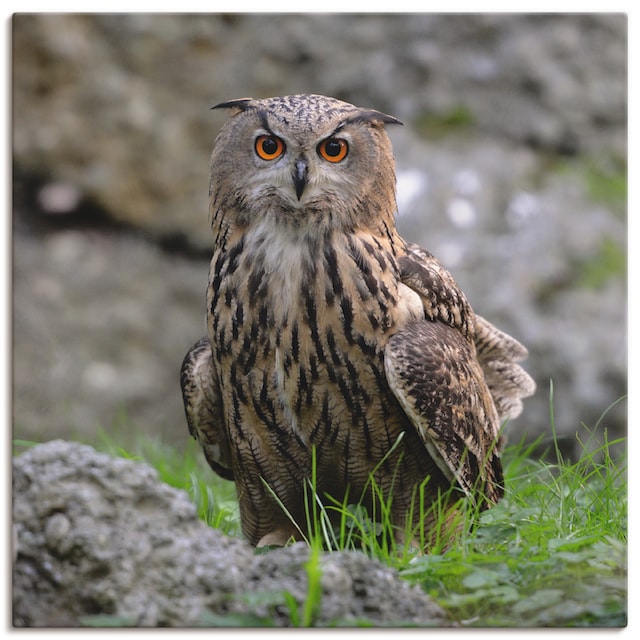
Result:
pixel 334 348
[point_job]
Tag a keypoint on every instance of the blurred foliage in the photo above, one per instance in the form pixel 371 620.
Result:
pixel 609 262
pixel 606 181
pixel 604 177
pixel 433 125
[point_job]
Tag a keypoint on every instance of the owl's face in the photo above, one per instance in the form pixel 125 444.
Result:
pixel 303 160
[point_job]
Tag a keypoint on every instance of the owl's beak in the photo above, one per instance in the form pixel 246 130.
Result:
pixel 300 176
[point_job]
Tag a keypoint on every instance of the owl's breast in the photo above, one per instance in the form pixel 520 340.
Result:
pixel 298 333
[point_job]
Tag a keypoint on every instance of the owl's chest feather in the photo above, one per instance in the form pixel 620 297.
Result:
pixel 299 329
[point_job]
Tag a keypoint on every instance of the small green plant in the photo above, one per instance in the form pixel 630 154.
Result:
pixel 314 588
pixel 606 179
pixel 217 507
pixel 20 445
pixel 603 177
pixel 610 261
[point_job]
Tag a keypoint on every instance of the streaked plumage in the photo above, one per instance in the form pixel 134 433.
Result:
pixel 327 330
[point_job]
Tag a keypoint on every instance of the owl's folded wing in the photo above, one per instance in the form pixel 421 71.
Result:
pixel 457 378
pixel 497 352
pixel 433 372
pixel 203 408
pixel 442 298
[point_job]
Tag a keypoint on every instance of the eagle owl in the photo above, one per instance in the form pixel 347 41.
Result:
pixel 330 338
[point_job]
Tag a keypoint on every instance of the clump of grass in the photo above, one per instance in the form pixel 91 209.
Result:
pixel 606 179
pixel 551 553
pixel 610 261
pixel 338 525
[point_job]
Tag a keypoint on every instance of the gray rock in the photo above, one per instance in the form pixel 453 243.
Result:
pixel 100 540
pixel 353 588
pixel 103 536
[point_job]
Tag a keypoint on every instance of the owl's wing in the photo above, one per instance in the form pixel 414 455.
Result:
pixel 442 298
pixel 432 370
pixel 497 352
pixel 456 376
pixel 202 407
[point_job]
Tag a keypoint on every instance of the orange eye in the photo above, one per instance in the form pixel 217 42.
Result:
pixel 333 149
pixel 269 147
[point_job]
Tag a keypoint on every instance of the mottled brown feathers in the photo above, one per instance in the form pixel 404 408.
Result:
pixel 459 428
pixel 199 384
pixel 328 333
pixel 499 354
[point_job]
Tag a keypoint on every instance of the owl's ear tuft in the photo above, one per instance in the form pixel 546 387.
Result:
pixel 237 105
pixel 373 117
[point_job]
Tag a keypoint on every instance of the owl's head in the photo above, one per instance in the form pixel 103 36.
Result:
pixel 306 161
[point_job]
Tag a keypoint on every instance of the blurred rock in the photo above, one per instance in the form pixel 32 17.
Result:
pixel 102 542
pixel 514 140
pixel 101 322
pixel 118 105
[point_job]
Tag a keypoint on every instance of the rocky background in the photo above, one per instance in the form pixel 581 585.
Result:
pixel 511 168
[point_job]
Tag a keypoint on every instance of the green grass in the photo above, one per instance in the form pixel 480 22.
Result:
pixel 610 261
pixel 606 180
pixel 551 553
